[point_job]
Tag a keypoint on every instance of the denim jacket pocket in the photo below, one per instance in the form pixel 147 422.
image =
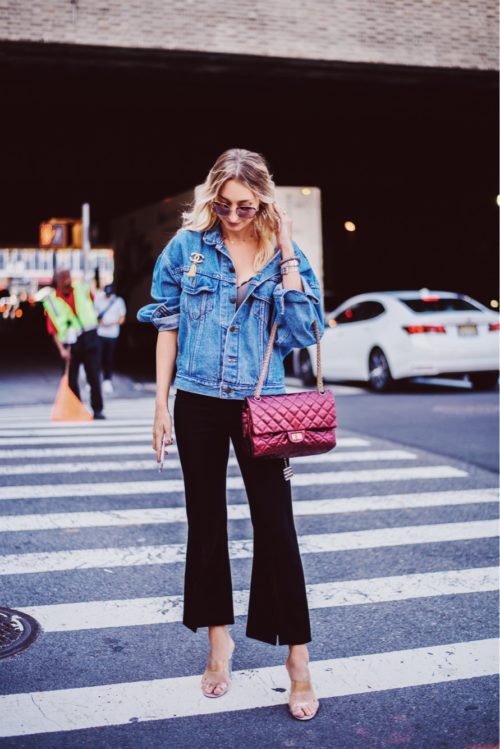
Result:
pixel 264 307
pixel 198 295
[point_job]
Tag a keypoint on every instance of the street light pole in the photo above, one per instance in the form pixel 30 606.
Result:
pixel 86 241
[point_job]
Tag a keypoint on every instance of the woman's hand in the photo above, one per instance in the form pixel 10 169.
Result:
pixel 284 233
pixel 162 425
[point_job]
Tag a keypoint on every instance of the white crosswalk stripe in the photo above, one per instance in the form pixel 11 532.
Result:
pixel 161 485
pixel 27 425
pixel 67 617
pixel 88 427
pixel 107 466
pixel 145 448
pixel 159 515
pixel 159 699
pixel 100 438
pixel 32 449
pixel 40 417
pixel 96 438
pixel 131 556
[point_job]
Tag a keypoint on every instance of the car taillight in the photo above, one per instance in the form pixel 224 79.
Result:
pixel 410 329
pixel 494 326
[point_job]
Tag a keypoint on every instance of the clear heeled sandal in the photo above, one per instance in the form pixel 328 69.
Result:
pixel 295 705
pixel 221 681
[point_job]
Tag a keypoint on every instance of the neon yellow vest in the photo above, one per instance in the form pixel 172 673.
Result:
pixel 68 325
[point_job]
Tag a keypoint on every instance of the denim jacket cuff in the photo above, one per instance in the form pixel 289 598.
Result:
pixel 169 322
pixel 160 316
pixel 294 294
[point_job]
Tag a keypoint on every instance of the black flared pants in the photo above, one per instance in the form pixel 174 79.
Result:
pixel 278 612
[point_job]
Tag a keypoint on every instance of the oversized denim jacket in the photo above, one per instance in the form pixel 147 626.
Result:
pixel 221 348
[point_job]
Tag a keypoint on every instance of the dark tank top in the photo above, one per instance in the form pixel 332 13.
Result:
pixel 241 291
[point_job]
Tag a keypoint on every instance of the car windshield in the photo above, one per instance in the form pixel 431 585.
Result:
pixel 444 304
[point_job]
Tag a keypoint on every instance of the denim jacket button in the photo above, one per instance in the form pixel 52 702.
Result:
pixel 232 328
pixel 232 299
pixel 228 390
pixel 231 269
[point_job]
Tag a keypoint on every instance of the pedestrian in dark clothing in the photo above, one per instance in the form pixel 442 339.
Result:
pixel 72 322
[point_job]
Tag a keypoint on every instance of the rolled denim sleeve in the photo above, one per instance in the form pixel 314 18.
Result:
pixel 166 290
pixel 296 311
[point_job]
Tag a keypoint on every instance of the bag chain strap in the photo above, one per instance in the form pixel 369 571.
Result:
pixel 319 377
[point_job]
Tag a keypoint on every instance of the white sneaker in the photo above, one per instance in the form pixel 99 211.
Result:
pixel 107 386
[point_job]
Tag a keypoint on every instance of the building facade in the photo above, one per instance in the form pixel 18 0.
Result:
pixel 433 33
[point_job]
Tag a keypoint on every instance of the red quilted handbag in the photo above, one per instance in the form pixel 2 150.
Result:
pixel 285 426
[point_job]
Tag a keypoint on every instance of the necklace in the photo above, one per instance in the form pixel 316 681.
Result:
pixel 242 239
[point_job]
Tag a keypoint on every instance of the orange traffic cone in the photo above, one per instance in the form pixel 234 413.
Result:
pixel 66 406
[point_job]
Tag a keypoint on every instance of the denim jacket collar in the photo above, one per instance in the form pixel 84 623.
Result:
pixel 214 236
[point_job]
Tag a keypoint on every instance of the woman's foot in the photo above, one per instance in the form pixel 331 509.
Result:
pixel 215 680
pixel 303 704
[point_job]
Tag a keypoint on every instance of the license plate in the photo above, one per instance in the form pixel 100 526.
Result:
pixel 467 329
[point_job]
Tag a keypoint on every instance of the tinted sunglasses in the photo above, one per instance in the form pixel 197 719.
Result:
pixel 242 211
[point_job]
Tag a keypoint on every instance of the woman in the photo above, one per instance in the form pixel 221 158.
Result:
pixel 220 283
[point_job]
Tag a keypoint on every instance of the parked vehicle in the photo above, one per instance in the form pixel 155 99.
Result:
pixel 385 336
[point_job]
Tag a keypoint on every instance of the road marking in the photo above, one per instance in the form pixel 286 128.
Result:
pixel 76 452
pixel 162 485
pixel 124 417
pixel 98 438
pixel 108 466
pixel 160 699
pixel 117 411
pixel 158 515
pixel 131 556
pixel 70 617
pixel 90 426
pixel 83 439
pixel 46 424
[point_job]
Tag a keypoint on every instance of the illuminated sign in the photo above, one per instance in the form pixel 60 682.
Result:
pixel 53 234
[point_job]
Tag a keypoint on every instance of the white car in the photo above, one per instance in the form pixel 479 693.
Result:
pixel 392 335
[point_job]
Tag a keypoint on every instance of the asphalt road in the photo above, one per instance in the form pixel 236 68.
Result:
pixel 448 420
pixel 397 528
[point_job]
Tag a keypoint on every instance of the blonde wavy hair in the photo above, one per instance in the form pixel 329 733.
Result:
pixel 251 170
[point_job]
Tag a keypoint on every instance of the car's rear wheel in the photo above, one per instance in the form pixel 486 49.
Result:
pixel 380 373
pixel 484 380
pixel 305 370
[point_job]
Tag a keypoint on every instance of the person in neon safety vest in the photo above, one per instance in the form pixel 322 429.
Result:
pixel 72 322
